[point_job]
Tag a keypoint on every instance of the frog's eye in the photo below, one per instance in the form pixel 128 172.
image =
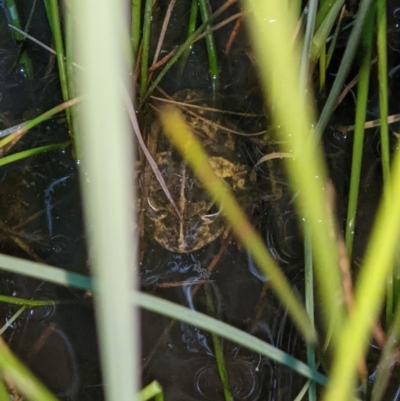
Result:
pixel 154 211
pixel 212 213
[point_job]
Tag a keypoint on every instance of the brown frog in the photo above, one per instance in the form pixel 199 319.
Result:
pixel 199 221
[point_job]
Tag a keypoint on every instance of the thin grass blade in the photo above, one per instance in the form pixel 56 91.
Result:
pixel 135 21
pixel 44 272
pixel 4 396
pixel 62 277
pixel 191 29
pixel 387 358
pixel 347 59
pixel 305 59
pixel 204 8
pixel 377 266
pixel 21 377
pixel 224 330
pixel 180 135
pixel 62 68
pixel 144 59
pixel 309 291
pixel 324 29
pixel 32 152
pixel 218 348
pixel 361 110
pixel 153 390
pixel 271 29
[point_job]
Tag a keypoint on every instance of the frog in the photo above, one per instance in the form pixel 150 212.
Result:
pixel 194 220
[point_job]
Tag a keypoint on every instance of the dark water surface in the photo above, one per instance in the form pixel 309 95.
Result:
pixel 41 219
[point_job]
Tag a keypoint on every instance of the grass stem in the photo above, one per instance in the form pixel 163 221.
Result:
pixel 309 291
pixel 135 23
pixel 152 390
pixel 20 377
pixel 181 137
pixel 32 152
pixel 344 67
pixel 383 87
pixel 358 141
pixel 218 349
pixel 384 131
pixel 191 29
pixel 305 57
pixel 144 60
pixel 62 69
pixel 211 50
pixel 15 21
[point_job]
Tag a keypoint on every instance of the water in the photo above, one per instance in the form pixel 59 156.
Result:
pixel 41 220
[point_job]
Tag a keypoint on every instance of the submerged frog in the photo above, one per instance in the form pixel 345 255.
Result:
pixel 199 221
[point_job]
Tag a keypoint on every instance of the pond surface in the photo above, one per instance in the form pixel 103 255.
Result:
pixel 41 219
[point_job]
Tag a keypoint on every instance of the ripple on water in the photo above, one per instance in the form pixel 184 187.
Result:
pixel 245 379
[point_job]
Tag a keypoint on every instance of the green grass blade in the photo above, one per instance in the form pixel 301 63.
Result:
pixel 325 8
pixel 48 13
pixel 31 303
pixel 15 22
pixel 369 293
pixel 295 6
pixel 180 135
pixel 361 111
pixel 21 378
pixel 37 120
pixel 62 69
pixel 14 18
pixel 218 349
pixel 135 21
pixel 153 390
pixel 144 58
pixel 324 29
pixel 3 392
pixel 347 59
pixel 44 272
pixel 309 291
pixel 12 319
pixel 211 50
pixel 322 67
pixel 107 168
pixel 302 392
pixel 383 87
pixel 305 59
pixel 335 36
pixel 62 277
pixel 384 130
pixel 32 152
pixel 293 113
pixel 224 330
pixel 385 364
pixel 191 29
